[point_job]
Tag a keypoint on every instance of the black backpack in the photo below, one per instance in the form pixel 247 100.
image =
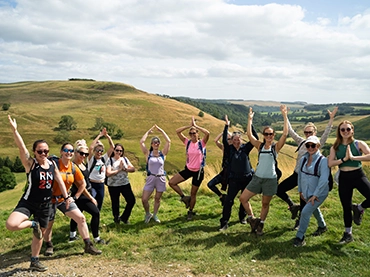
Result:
pixel 273 151
pixel 316 171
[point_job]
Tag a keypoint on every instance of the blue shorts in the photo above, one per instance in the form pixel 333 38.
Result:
pixel 155 182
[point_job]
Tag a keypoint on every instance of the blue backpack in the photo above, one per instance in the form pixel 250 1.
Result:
pixel 203 150
pixel 149 156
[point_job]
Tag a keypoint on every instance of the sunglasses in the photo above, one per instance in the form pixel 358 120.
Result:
pixel 156 142
pixel 99 151
pixel 345 129
pixel 192 133
pixel 40 152
pixel 308 132
pixel 312 145
pixel 65 150
pixel 83 154
pixel 117 150
pixel 268 134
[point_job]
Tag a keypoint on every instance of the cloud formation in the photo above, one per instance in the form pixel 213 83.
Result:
pixel 197 48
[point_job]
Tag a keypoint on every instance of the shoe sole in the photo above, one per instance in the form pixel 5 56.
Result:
pixel 38 269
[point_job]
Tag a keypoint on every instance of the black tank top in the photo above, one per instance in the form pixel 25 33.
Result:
pixel 39 183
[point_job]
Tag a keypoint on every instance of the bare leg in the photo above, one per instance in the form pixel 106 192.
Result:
pixel 244 199
pixel 157 201
pixel 174 181
pixel 265 206
pixel 145 200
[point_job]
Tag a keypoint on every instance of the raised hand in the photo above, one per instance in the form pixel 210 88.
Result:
pixel 332 114
pixel 12 122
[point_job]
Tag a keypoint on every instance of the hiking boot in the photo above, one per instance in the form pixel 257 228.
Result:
pixel 90 249
pixel 37 230
pixel 186 200
pixel 73 239
pixel 259 229
pixel 148 217
pixel 190 215
pixel 296 225
pixel 223 227
pixel 223 199
pixel 294 209
pixel 320 231
pixel 49 251
pixel 156 219
pixel 357 214
pixel 100 241
pixel 38 266
pixel 299 242
pixel 347 237
pixel 253 222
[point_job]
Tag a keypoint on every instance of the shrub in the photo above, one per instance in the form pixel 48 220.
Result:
pixel 7 179
pixel 6 106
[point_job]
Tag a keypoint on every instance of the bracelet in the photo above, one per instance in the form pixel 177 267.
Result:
pixel 65 198
pixel 342 160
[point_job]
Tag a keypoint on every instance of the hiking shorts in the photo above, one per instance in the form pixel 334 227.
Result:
pixel 61 207
pixel 40 211
pixel 155 182
pixel 266 186
pixel 197 176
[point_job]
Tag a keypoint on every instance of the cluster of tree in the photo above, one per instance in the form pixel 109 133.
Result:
pixel 67 123
pixel 80 79
pixel 7 167
pixel 5 106
pixel 238 114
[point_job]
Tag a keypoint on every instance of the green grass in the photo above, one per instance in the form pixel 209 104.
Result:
pixel 199 246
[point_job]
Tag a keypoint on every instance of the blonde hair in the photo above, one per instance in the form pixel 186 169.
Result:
pixel 81 144
pixel 310 124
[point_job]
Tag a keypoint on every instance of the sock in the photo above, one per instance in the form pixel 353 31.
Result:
pixel 33 224
pixel 34 259
pixel 359 207
pixel 290 202
pixel 262 221
pixel 49 244
pixel 250 216
pixel 348 230
pixel 87 241
pixel 72 234
pixel 97 239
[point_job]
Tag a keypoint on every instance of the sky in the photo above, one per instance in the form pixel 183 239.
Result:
pixel 317 51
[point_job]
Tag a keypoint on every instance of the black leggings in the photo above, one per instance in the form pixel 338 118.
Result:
pixel 84 204
pixel 348 181
pixel 129 196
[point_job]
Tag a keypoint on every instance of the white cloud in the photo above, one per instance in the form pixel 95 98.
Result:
pixel 196 48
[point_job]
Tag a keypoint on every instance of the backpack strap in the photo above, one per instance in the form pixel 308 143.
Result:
pixel 200 147
pixel 299 146
pixel 316 168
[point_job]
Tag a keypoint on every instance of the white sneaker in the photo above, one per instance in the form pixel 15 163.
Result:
pixel 148 217
pixel 156 219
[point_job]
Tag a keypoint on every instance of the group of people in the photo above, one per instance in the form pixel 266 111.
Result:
pixel 75 181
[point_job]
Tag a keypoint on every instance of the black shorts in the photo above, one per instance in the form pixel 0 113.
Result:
pixel 197 176
pixel 40 211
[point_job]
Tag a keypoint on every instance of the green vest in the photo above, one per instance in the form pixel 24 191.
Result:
pixel 341 153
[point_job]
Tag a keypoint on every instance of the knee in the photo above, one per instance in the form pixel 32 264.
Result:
pixel 157 199
pixel 10 226
pixel 80 219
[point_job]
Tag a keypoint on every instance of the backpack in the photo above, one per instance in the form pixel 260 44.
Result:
pixel 316 171
pixel 273 151
pixel 203 150
pixel 148 173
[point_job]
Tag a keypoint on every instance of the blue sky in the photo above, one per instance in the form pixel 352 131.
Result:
pixel 313 51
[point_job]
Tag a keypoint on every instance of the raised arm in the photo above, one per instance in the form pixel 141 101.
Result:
pixel 111 144
pixel 218 143
pixel 327 131
pixel 255 142
pixel 23 152
pixel 281 142
pixel 203 130
pixel 179 133
pixel 95 141
pixel 142 142
pixel 167 145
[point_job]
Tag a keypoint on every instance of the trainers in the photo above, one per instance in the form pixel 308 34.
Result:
pixel 190 215
pixel 253 222
pixel 296 225
pixel 156 219
pixel 90 249
pixel 294 210
pixel 73 239
pixel 347 237
pixel 37 230
pixel 259 229
pixel 243 221
pixel 223 227
pixel 357 215
pixel 49 251
pixel 100 241
pixel 299 242
pixel 38 266
pixel 223 199
pixel 186 200
pixel 148 217
pixel 320 231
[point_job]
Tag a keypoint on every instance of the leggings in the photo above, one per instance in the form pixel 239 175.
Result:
pixel 98 193
pixel 348 181
pixel 84 204
pixel 129 196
